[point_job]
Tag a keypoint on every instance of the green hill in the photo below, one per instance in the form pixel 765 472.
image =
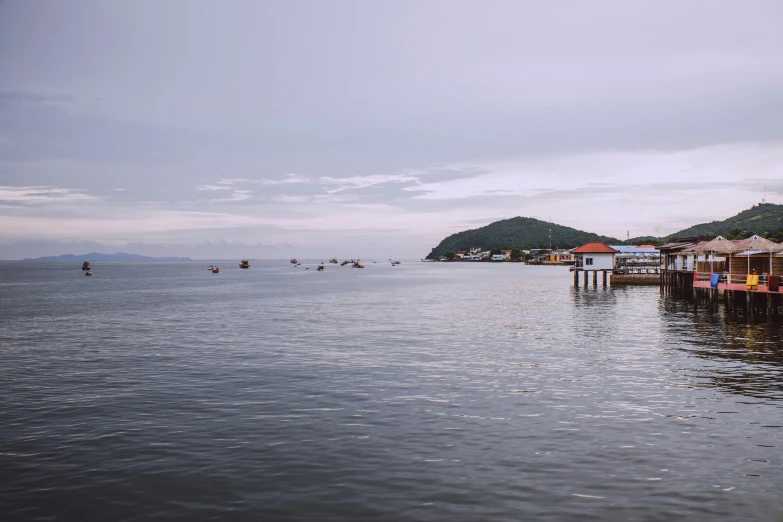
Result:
pixel 518 232
pixel 763 219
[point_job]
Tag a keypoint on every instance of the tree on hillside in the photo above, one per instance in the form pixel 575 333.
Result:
pixel 495 252
pixel 777 237
pixel 450 255
pixel 516 253
pixel 739 233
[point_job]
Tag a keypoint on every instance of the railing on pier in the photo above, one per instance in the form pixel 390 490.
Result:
pixel 751 304
pixel 636 270
pixel 735 279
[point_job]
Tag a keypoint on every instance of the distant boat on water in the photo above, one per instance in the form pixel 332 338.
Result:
pixel 294 261
pixel 244 264
pixel 333 261
pixel 86 266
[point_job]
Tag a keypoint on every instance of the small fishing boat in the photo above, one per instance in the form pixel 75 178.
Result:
pixel 320 268
pixel 211 267
pixel 215 270
pixel 244 264
pixel 294 261
pixel 395 263
pixel 333 260
pixel 88 273
pixel 86 265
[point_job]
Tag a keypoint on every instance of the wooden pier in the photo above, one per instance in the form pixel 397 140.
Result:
pixel 759 303
pixel 691 270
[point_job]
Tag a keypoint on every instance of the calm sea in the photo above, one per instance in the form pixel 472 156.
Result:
pixel 424 391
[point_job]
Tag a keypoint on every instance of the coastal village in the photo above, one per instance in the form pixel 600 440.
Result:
pixel 621 259
pixel 711 268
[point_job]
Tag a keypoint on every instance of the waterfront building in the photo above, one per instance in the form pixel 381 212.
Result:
pixel 634 258
pixel 593 257
pixel 563 257
pixel 745 274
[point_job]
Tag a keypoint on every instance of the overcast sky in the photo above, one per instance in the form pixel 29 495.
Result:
pixel 374 129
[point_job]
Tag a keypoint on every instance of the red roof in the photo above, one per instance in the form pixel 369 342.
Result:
pixel 594 248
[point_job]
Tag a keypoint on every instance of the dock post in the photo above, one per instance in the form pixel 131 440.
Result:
pixel 605 272
pixel 587 277
pixel 595 277
pixel 576 277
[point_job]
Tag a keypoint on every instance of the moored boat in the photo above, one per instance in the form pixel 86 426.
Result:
pixel 333 261
pixel 320 268
pixel 88 273
pixel 294 261
pixel 244 264
pixel 215 270
pixel 86 265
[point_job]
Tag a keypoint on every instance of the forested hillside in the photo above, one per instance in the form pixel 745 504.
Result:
pixel 518 232
pixel 762 219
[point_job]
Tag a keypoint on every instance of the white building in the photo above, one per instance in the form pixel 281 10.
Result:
pixel 594 256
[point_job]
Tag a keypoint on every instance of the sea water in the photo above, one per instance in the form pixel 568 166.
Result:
pixel 424 391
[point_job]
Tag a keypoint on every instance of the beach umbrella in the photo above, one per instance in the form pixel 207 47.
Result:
pixel 720 244
pixel 758 243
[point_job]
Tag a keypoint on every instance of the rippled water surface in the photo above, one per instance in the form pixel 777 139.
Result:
pixel 423 391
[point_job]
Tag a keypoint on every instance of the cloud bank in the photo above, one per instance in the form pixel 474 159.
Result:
pixel 357 128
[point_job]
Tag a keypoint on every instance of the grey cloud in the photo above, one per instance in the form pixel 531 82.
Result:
pixel 529 78
pixel 32 129
pixel 371 104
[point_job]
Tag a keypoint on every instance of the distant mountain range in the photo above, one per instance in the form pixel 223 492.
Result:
pixel 520 232
pixel 97 256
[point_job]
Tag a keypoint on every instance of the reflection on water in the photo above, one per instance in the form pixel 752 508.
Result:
pixel 420 392
pixel 745 358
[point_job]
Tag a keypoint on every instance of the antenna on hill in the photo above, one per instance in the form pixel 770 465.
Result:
pixel 764 199
pixel 550 232
pixel 627 235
